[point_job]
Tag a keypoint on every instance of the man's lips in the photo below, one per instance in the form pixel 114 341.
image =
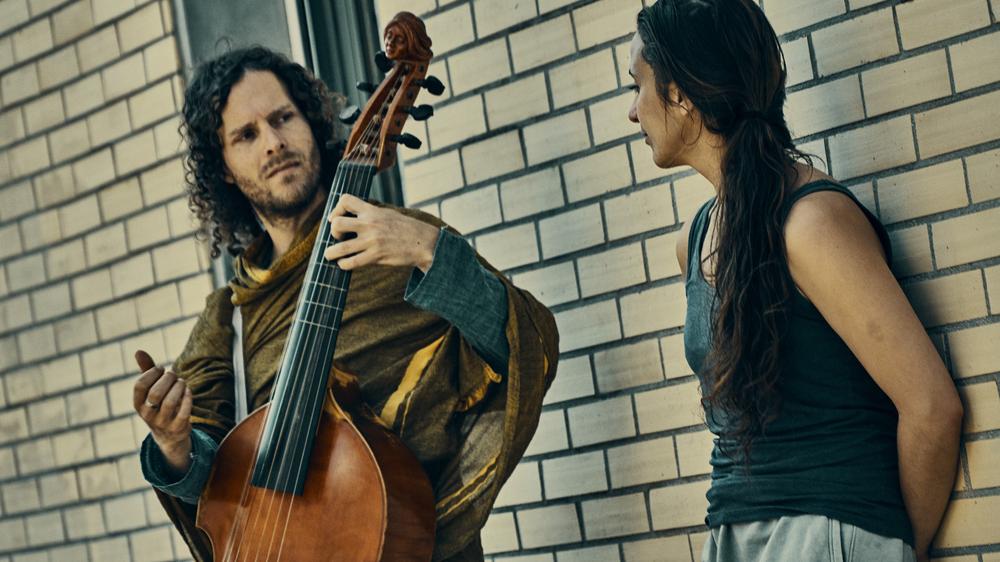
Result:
pixel 282 167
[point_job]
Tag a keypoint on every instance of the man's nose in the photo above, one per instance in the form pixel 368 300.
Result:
pixel 273 140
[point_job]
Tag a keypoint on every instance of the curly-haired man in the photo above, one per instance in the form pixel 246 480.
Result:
pixel 421 301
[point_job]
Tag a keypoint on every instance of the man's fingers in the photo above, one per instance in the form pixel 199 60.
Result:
pixel 344 227
pixel 184 411
pixel 172 400
pixel 352 204
pixel 356 261
pixel 341 249
pixel 160 388
pixel 144 361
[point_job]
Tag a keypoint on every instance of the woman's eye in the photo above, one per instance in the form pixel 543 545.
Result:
pixel 633 87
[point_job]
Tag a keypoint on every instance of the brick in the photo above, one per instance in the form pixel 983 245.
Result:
pixel 523 486
pixel 451 29
pixel 642 463
pixel 924 23
pixel 479 66
pixel 13 535
pixel 94 170
pixel 639 211
pixel 92 288
pixel 606 553
pixel 969 62
pixel 670 407
pixel 653 309
pixel 495 15
pixel 906 83
pixel 602 421
pixel 473 210
pixel 542 43
pixel 24 385
pixel 140 27
pixel 665 549
pixel 982 407
pixel 8 469
pixel 605 20
pixel 90 405
pixel 597 174
pixel 968 522
pixel 623 58
pixel 855 42
pixel 534 193
pixel 69 141
pixel 85 521
pixel 97 48
pixel 693 452
pixel 588 325
pixel 59 488
pixel 118 319
pixel 46 528
pixel 160 59
pixel 571 231
pixel 73 447
pixel 54 186
pixel 44 112
pixel 193 292
pixel 9 352
pixel 128 75
pixel 661 256
pixel 36 343
pixel 75 332
pixel 39 230
pixel 65 259
pixel 789 15
pixel 77 552
pixel 98 480
pixel 47 416
pixel 115 438
pixel 177 259
pixel 14 424
pixel 611 270
pixel 510 247
pixel 911 251
pixel 17 312
pixel 127 512
pixel 20 496
pixel 824 106
pixel 51 301
pixel 973 351
pixel 147 229
pixel 516 101
pixel 681 505
pixel 152 104
pixel 182 220
pixel 158 306
pixel 643 166
pixel 574 475
pixel 13 13
pixel 105 244
pixel 615 517
pixel 19 84
pixel 984 472
pixel 984 176
pixel 958 125
pixel 105 10
pixel 109 124
pixel 432 177
pixel 545 526
pixel 574 380
pixel 109 549
pixel 798 61
pixel 166 181
pixel 872 148
pixel 582 78
pixel 609 119
pixel 12 126
pixel 83 95
pixel 492 157
pixel 35 456
pixel 948 299
pixel 40 6
pixel 58 67
pixel 6 52
pixel 130 474
pixel 16 201
pixel 72 21
pixel 499 534
pixel 32 40
pixel 168 140
pixel 61 374
pixel 12 246
pixel 628 366
pixel 26 272
pixel 966 238
pixel 79 216
pixel 924 191
pixel 555 137
pixel 104 362
pixel 134 152
pixel 457 122
pixel 29 157
pixel 551 434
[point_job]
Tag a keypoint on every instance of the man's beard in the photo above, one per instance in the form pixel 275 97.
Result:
pixel 296 194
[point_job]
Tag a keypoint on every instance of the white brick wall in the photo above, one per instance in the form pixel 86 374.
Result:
pixel 89 182
pixel 900 102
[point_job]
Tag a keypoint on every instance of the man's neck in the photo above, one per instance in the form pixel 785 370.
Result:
pixel 284 231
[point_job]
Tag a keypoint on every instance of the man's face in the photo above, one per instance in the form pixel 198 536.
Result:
pixel 268 147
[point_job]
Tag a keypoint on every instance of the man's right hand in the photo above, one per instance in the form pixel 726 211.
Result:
pixel 164 402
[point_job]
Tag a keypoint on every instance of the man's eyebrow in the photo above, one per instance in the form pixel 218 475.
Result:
pixel 270 117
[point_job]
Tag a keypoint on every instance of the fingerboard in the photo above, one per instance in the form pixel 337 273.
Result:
pixel 297 400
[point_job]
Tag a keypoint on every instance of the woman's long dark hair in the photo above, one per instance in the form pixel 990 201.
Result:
pixel 724 57
pixel 225 214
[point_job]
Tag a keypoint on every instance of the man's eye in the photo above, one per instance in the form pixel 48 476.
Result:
pixel 246 135
pixel 287 117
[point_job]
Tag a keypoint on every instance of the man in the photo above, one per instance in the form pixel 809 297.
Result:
pixel 449 355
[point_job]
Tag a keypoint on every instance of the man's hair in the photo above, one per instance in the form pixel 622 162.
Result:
pixel 225 214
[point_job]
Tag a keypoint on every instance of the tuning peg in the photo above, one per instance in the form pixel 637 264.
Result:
pixel 349 114
pixel 432 84
pixel 407 140
pixel 383 62
pixel 367 87
pixel 420 112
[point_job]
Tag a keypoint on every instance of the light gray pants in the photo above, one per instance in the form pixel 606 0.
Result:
pixel 802 538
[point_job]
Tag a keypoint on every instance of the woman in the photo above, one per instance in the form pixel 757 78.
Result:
pixel 837 423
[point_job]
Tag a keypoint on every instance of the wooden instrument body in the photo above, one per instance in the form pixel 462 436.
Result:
pixel 366 498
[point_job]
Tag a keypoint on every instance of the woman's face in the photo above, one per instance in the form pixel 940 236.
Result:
pixel 663 125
